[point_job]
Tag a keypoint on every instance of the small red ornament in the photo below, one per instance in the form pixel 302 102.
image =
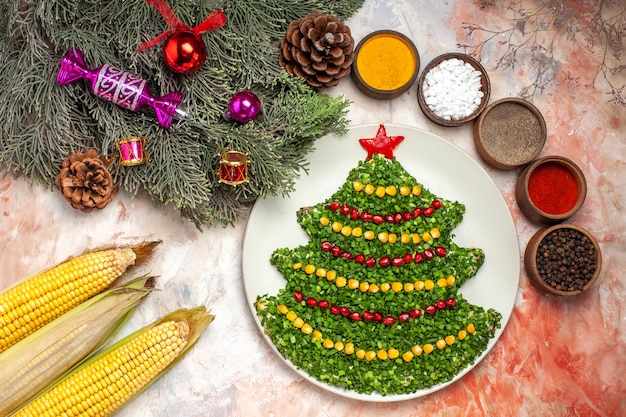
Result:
pixel 233 168
pixel 381 144
pixel 184 51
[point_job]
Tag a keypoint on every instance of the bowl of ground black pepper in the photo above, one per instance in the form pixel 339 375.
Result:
pixel 563 259
pixel 510 133
pixel 551 189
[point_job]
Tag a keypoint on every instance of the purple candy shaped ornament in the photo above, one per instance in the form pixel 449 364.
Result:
pixel 120 87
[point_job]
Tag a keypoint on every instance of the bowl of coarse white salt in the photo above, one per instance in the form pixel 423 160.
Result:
pixel 453 89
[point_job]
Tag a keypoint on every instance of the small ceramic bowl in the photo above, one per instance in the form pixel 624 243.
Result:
pixel 554 246
pixel 386 64
pixel 510 133
pixel 550 189
pixel 423 91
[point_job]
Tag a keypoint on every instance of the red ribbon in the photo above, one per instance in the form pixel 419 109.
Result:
pixel 213 21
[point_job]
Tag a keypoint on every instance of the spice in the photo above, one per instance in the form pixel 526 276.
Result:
pixel 553 188
pixel 386 61
pixel 566 259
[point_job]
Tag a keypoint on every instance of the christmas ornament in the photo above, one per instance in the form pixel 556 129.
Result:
pixel 318 48
pixel 85 181
pixel 233 168
pixel 243 107
pixel 131 151
pixel 120 87
pixel 184 50
pixel 381 143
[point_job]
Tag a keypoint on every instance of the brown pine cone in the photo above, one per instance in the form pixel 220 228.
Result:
pixel 85 181
pixel 318 48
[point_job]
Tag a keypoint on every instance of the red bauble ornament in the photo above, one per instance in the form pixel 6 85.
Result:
pixel 184 51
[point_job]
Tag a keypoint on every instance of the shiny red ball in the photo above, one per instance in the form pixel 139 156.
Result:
pixel 184 52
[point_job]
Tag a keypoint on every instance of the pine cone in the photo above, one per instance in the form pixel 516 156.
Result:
pixel 318 48
pixel 85 181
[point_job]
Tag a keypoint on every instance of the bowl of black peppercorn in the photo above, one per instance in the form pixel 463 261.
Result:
pixel 563 259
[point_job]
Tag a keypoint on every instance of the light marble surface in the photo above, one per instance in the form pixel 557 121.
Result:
pixel 556 357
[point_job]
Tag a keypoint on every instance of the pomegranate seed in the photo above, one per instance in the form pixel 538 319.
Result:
pixel 451 302
pixel 344 209
pixel 311 302
pixel 389 320
pixel 336 250
pixel 334 205
pixel 368 316
pixel 344 311
pixel 389 218
pixel 397 218
pixel 415 313
pixel 378 219
pixel 378 317
pixel 436 204
pixel 370 262
pixel 323 303
pixel 428 254
pixel 407 258
pixel 384 261
pixel 440 304
pixel 418 257
pixel 404 317
pixel 366 217
pixel 397 261
pixel 354 214
pixel 355 316
pixel 326 246
pixel 335 310
pixel 346 255
pixel 298 296
pixel 417 212
pixel 406 216
pixel 428 211
pixel 359 259
pixel 440 251
pixel 431 309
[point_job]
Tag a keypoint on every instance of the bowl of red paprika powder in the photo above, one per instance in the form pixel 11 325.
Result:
pixel 550 189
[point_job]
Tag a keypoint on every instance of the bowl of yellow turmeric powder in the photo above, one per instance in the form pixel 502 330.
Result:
pixel 386 64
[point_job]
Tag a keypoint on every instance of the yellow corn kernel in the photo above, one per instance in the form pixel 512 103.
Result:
pixel 442 282
pixel 317 335
pixel 462 334
pixel 320 272
pixel 369 235
pixel 409 287
pixel 106 382
pixel 331 275
pixel 391 190
pixel 306 328
pixel 339 345
pixel 297 265
pixel 369 189
pixel 373 289
pixel 36 301
pixel 440 344
pixel 309 269
pixel 291 315
pixel 396 286
pixel 357 232
pixel 340 282
pixel 405 238
pixel 283 309
pixel 349 348
pixel 428 348
pixel 426 237
pixel 383 237
pixel 382 354
pixel 360 353
pixel 470 328
pixel 416 238
pixel 364 286
pixel 324 221
pixel 417 350
pixel 393 353
pixel 353 284
pixel 417 190
pixel 418 285
pixel 346 231
pixel 451 280
pixel 357 185
pixel 298 322
pixel 370 355
pixel 449 340
pixel 385 286
pixel 404 190
pixel 328 343
pixel 407 356
pixel 336 226
pixel 435 233
pixel 429 285
pixel 380 191
pixel 393 238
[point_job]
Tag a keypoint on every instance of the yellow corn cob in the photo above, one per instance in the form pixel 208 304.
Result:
pixel 39 299
pixel 108 381
pixel 32 364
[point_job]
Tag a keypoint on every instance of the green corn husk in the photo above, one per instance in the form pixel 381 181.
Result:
pixel 109 380
pixel 32 364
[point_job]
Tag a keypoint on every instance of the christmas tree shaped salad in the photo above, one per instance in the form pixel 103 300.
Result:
pixel 372 303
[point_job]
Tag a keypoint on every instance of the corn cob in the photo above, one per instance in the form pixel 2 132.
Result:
pixel 39 299
pixel 42 357
pixel 109 380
